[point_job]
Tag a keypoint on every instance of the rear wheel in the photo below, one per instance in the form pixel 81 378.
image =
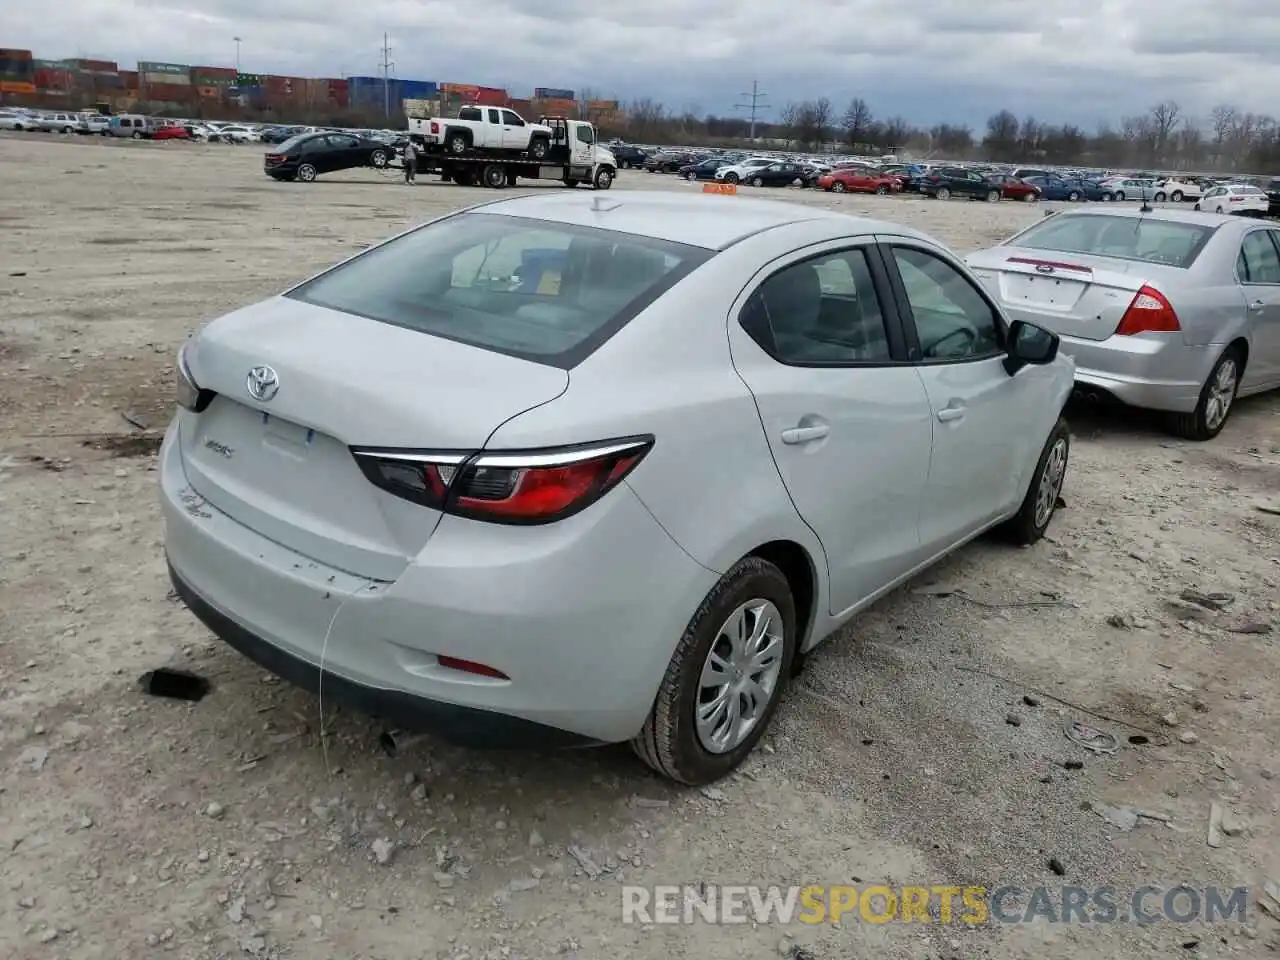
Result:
pixel 725 678
pixel 943 193
pixel 1028 197
pixel 137 135
pixel 1216 399
pixel 570 182
pixel 1158 198
pixel 463 178
pixel 731 178
pixel 306 173
pixel 1073 196
pixel 882 190
pixel 1119 195
pixel 838 187
pixel 1038 506
pixel 993 196
pixel 378 158
pixel 757 182
pixel 539 148
pixel 691 176
pixel 494 176
pixel 458 143
pixel 1176 196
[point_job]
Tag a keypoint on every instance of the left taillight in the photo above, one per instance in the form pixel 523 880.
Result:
pixel 187 392
pixel 512 487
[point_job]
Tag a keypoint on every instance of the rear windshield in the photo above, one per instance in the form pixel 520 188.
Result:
pixel 1167 242
pixel 543 291
pixel 293 143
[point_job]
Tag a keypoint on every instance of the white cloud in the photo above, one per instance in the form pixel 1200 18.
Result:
pixel 927 60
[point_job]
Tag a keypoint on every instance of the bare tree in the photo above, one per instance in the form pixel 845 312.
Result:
pixel 1164 118
pixel 857 122
pixel 1001 140
pixel 788 118
pixel 820 112
pixel 896 133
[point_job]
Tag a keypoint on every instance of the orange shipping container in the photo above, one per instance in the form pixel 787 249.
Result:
pixel 469 89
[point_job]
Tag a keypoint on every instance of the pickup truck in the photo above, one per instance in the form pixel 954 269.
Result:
pixel 484 129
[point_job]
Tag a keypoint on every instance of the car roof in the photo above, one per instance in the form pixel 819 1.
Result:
pixel 701 220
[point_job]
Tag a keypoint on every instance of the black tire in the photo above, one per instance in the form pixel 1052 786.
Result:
pixel 458 143
pixel 378 158
pixel 1030 197
pixel 539 147
pixel 1073 196
pixel 757 182
pixel 730 178
pixel 306 173
pixel 882 190
pixel 493 176
pixel 838 187
pixel 463 178
pixel 1118 196
pixel 137 135
pixel 943 193
pixel 1198 425
pixel 993 196
pixel 1176 196
pixel 603 179
pixel 691 176
pixel 1029 523
pixel 669 741
pixel 570 182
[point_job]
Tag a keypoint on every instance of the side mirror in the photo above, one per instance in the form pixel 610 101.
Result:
pixel 1029 345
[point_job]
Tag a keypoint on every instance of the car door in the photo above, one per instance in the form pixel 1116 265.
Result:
pixel 514 134
pixel 988 426
pixel 1258 271
pixel 976 185
pixel 816 338
pixel 330 152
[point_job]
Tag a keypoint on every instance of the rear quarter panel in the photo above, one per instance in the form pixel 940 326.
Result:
pixel 710 479
pixel 1210 303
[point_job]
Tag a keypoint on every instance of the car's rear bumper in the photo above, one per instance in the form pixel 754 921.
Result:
pixel 582 616
pixel 1154 371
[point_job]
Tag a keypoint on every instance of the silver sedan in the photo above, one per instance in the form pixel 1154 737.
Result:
pixel 1166 309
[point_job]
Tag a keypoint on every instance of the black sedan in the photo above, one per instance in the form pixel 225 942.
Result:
pixel 947 182
pixel 777 175
pixel 307 156
pixel 670 162
pixel 702 170
pixel 627 155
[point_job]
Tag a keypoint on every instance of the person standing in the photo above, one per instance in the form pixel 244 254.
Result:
pixel 410 161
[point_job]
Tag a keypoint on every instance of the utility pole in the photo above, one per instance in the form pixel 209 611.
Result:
pixel 753 104
pixel 237 40
pixel 387 64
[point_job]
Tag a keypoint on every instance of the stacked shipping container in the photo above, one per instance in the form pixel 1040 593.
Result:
pixel 552 93
pixel 165 82
pixel 52 77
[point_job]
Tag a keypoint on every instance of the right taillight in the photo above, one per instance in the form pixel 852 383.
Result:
pixel 514 487
pixel 187 392
pixel 435 127
pixel 1150 312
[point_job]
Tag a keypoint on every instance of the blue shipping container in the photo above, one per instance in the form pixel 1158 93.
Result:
pixel 419 89
pixel 374 92
pixel 552 93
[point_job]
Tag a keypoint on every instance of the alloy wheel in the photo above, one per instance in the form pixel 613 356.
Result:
pixel 1055 469
pixel 1222 393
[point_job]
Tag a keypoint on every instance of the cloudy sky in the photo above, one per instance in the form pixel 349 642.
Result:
pixel 928 60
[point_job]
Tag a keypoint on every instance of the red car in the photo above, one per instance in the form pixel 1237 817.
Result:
pixel 170 132
pixel 1013 188
pixel 858 180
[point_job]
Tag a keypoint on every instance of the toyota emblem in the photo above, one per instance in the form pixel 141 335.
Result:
pixel 262 383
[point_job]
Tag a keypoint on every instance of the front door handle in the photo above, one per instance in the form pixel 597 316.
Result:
pixel 1257 306
pixel 804 434
pixel 947 414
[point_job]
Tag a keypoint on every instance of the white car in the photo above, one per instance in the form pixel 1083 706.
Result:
pixel 1176 189
pixel 1235 198
pixel 553 472
pixel 58 122
pixel 235 133
pixel 93 123
pixel 10 120
pixel 738 172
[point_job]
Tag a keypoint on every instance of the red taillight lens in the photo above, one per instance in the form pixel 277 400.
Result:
pixel 1150 312
pixel 518 487
pixel 470 666
pixel 435 127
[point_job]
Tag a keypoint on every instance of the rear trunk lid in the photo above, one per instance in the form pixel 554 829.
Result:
pixel 283 466
pixel 1073 294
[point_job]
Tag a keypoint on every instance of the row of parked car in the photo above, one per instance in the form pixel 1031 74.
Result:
pixel 979 182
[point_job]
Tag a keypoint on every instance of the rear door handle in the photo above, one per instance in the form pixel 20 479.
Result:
pixel 804 434
pixel 1257 306
pixel 947 414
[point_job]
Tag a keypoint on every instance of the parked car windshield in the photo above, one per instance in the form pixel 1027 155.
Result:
pixel 543 291
pixel 1167 242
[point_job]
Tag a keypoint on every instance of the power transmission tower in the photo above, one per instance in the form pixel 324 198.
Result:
pixel 387 64
pixel 753 104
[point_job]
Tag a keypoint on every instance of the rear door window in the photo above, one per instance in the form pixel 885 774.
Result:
pixel 1259 260
pixel 542 291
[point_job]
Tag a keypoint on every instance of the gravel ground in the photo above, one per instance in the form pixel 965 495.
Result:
pixel 923 745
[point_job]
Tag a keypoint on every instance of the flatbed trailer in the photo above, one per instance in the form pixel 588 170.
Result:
pixel 574 158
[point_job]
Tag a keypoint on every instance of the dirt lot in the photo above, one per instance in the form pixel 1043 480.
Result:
pixel 923 745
